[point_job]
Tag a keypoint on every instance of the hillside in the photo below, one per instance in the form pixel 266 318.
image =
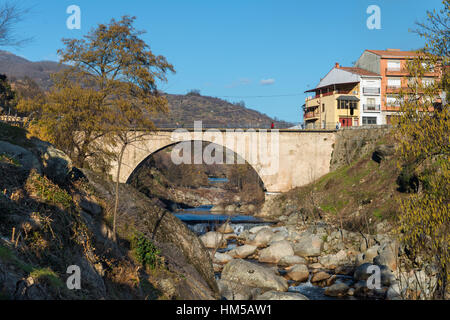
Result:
pixel 357 194
pixel 53 215
pixel 16 68
pixel 184 109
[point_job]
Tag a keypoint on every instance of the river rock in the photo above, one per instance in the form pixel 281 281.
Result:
pixel 279 236
pixel 368 256
pixel 276 251
pixel 309 245
pixel 213 240
pixel 320 276
pixel 331 261
pixel 217 208
pixel 275 295
pixel 242 252
pixel 222 258
pixel 235 291
pixel 362 272
pixel 287 261
pixel 261 238
pixel 336 290
pixel 253 275
pixel 394 292
pixel 255 230
pixel 298 272
pixel 251 208
pixel 387 255
pixel 231 208
pixel 225 228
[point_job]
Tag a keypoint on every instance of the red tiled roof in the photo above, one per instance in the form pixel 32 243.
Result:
pixel 361 72
pixel 394 53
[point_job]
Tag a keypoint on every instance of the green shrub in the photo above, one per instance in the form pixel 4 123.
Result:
pixel 145 251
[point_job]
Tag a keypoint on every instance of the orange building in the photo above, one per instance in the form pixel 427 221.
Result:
pixel 390 64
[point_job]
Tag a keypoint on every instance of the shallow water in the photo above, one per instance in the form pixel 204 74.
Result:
pixel 200 220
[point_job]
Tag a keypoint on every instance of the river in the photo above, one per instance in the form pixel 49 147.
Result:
pixel 200 220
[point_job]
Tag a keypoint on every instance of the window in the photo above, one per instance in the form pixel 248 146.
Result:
pixel 371 101
pixel 426 82
pixel 393 65
pixel 369 120
pixel 323 107
pixel 347 104
pixel 392 100
pixel 394 82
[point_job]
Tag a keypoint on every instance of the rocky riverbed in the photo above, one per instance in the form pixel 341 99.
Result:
pixel 288 260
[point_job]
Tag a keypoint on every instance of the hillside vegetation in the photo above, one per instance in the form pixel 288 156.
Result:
pixel 53 215
pixel 356 196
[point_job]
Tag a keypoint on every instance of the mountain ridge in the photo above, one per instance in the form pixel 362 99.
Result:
pixel 184 109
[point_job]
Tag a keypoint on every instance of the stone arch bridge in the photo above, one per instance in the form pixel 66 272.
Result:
pixel 284 159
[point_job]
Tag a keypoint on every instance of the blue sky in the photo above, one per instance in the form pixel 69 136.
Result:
pixel 264 52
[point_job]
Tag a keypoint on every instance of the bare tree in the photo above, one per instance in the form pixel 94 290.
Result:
pixel 10 15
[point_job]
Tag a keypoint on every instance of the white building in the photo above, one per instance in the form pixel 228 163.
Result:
pixel 370 95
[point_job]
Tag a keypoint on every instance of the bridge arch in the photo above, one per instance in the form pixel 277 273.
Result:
pixel 225 150
pixel 302 156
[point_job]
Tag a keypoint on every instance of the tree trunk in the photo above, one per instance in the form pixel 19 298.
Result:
pixel 116 204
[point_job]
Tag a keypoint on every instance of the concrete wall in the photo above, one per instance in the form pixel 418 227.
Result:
pixel 369 61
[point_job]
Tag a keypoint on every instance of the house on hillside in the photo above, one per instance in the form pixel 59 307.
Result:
pixel 346 95
pixel 390 64
pixel 365 94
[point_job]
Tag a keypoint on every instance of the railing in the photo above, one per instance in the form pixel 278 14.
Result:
pixel 371 90
pixel 320 126
pixel 405 71
pixel 393 88
pixel 311 114
pixel 371 107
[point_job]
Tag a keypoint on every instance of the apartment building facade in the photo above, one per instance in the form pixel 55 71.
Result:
pixel 391 65
pixel 347 96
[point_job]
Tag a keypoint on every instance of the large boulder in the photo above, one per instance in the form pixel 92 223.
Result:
pixel 261 238
pixel 235 291
pixel 222 258
pixel 225 228
pixel 309 245
pixel 364 271
pixel 242 252
pixel 253 275
pixel 368 256
pixel 276 251
pixel 275 295
pixel 287 261
pixel 320 276
pixel 298 272
pixel 24 157
pixel 387 255
pixel 332 261
pixel 336 290
pixel 56 164
pixel 213 240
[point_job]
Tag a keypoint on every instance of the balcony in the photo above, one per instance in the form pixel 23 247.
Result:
pixel 371 108
pixel 393 89
pixel 371 91
pixel 404 72
pixel 311 115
